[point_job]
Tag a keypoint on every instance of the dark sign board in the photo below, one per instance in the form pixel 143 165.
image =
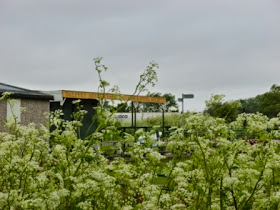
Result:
pixel 187 96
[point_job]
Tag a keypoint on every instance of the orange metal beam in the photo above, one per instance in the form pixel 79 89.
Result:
pixel 110 96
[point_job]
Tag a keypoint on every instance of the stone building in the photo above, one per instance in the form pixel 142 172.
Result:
pixel 36 104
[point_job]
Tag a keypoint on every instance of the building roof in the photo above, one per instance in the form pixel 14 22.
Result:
pixel 60 95
pixel 111 96
pixel 18 92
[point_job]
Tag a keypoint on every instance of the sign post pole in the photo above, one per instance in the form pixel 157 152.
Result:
pixel 183 117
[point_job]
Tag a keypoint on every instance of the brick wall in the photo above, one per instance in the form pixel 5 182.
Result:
pixel 35 111
pixel 3 113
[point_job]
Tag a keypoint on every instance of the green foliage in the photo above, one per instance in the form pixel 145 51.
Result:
pixel 250 105
pixel 155 107
pixel 206 170
pixel 267 103
pixel 270 102
pixel 212 168
pixel 217 107
pixel 122 107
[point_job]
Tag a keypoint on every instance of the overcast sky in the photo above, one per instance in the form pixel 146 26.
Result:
pixel 203 47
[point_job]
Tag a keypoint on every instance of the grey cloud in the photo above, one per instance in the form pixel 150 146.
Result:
pixel 200 46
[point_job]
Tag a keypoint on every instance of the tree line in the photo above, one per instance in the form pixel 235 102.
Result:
pixel 267 104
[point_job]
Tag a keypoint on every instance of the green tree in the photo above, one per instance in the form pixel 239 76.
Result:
pixel 267 103
pixel 250 105
pixel 275 88
pixel 217 107
pixel 155 107
pixel 270 102
pixel 171 101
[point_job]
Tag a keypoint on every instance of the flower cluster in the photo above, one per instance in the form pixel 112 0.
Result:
pixel 213 167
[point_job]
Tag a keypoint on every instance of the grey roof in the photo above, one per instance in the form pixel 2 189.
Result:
pixel 18 92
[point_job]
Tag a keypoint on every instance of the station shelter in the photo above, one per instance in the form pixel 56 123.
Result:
pixel 63 99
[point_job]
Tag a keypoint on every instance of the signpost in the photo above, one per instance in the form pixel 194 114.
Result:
pixel 182 100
